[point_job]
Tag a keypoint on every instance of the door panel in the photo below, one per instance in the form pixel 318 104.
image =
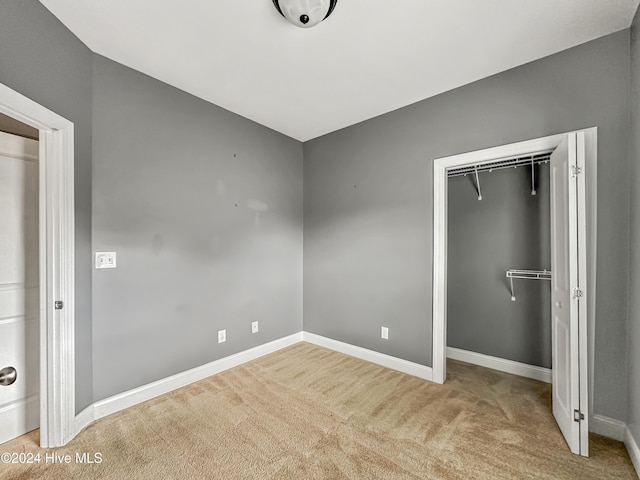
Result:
pixel 19 281
pixel 565 313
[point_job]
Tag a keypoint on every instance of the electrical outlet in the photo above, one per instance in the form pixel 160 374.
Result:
pixel 105 259
pixel 222 336
pixel 385 333
pixel 254 327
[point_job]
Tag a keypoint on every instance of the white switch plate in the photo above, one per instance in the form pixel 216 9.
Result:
pixel 222 336
pixel 254 327
pixel 105 259
pixel 385 333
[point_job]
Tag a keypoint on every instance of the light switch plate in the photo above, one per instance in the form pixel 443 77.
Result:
pixel 105 259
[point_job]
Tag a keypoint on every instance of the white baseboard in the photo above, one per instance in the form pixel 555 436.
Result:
pixel 127 399
pixel 633 449
pixel 378 358
pixel 84 418
pixel 500 364
pixel 608 427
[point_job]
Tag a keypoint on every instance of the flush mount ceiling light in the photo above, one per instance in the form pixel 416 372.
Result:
pixel 305 13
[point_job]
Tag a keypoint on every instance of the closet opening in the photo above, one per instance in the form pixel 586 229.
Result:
pixel 499 267
pixel 514 271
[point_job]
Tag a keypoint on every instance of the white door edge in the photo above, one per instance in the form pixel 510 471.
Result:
pixel 57 264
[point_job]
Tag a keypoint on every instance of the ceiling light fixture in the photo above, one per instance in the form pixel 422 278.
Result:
pixel 305 13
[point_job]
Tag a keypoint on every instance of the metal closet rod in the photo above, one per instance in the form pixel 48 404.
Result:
pixel 527 274
pixel 528 160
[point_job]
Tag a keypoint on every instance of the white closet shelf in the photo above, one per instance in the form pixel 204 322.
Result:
pixel 526 274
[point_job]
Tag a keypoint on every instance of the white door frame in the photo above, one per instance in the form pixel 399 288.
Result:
pixel 57 260
pixel 440 214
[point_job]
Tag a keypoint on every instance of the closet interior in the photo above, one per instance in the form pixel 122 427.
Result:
pixel 498 267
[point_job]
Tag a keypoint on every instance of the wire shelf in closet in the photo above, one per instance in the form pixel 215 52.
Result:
pixel 528 160
pixel 526 274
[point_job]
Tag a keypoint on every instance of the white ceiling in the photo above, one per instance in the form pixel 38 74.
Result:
pixel 368 58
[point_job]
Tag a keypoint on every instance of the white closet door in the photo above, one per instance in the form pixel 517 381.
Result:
pixel 19 287
pixel 568 255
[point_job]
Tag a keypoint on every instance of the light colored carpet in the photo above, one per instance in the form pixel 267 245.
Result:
pixel 309 413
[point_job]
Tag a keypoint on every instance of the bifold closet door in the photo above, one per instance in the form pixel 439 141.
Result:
pixel 569 322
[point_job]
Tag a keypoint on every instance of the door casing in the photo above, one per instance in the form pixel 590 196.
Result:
pixel 57 264
pixel 439 292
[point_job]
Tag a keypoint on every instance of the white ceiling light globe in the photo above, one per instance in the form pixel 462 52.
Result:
pixel 305 13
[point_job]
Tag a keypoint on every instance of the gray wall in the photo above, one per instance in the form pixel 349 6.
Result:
pixel 509 228
pixel 368 201
pixel 204 210
pixel 633 414
pixel 43 60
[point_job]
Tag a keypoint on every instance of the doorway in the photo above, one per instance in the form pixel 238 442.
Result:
pixel 56 286
pixel 499 259
pixel 582 145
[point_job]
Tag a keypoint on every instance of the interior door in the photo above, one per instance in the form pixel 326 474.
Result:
pixel 568 264
pixel 19 286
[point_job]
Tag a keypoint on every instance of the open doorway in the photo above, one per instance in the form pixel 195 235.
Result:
pixel 55 278
pixel 575 157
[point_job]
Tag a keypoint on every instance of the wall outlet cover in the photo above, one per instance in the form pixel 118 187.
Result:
pixel 254 327
pixel 222 336
pixel 105 259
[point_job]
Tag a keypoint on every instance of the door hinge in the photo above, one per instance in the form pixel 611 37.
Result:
pixel 575 170
pixel 578 416
pixel 58 304
pixel 578 293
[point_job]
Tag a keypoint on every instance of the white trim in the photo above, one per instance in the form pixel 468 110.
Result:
pixel 84 418
pixel 500 364
pixel 57 260
pixel 439 293
pixel 440 250
pixel 608 427
pixel 146 392
pixel 378 358
pixel 591 179
pixel 633 449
